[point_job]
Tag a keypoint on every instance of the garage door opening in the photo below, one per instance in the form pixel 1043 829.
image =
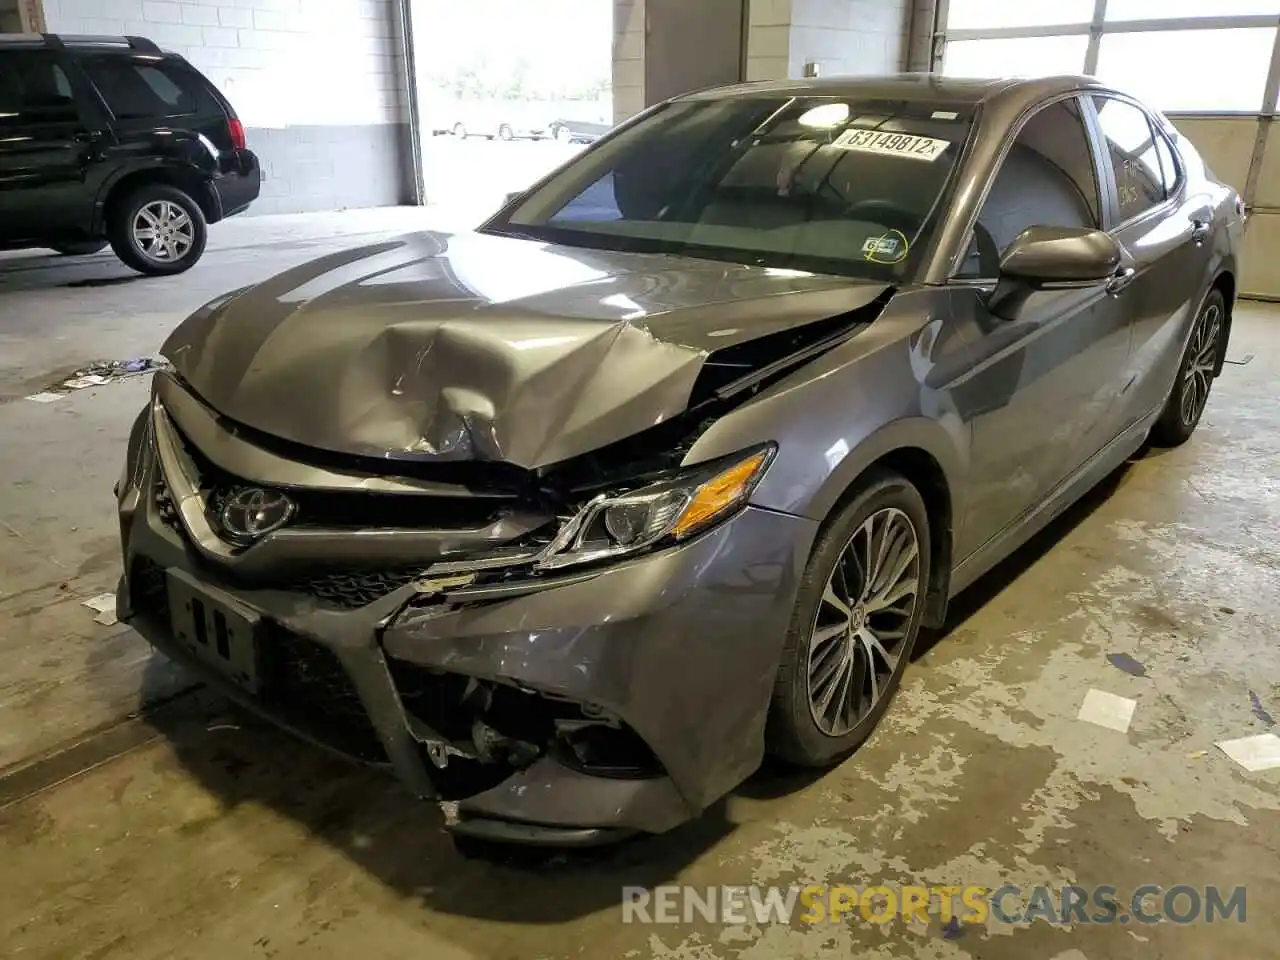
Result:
pixel 507 91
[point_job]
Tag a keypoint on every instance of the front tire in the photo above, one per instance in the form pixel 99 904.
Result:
pixel 1196 373
pixel 158 230
pixel 854 625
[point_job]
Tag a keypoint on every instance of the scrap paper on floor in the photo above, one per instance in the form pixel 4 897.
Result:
pixel 1107 710
pixel 1261 752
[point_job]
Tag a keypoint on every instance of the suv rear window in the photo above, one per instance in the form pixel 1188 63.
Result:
pixel 136 89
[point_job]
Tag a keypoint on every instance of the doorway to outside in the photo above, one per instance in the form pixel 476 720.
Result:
pixel 507 91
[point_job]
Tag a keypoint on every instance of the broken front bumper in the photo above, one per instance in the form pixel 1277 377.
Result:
pixel 667 662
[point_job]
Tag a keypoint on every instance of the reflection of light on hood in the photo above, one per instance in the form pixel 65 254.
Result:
pixel 827 115
pixel 623 302
pixel 504 270
pixel 784 272
pixel 535 343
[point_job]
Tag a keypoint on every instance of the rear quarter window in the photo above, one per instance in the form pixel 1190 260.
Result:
pixel 136 88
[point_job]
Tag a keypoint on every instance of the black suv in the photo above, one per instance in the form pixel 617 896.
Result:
pixel 110 140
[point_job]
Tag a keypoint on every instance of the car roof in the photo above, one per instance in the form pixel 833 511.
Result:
pixel 923 87
pixel 76 44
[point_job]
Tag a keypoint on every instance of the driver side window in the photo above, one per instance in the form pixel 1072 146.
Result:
pixel 1047 179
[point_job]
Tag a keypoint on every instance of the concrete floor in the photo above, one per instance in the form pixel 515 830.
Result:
pixel 188 831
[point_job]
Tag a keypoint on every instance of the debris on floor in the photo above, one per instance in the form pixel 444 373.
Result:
pixel 79 383
pixel 105 605
pixel 1197 754
pixel 98 373
pixel 1260 711
pixel 1242 362
pixel 105 371
pixel 1261 752
pixel 1122 661
pixel 1107 710
pixel 953 930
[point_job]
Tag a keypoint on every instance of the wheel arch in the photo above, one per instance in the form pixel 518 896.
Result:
pixel 1225 283
pixel 189 180
pixel 922 453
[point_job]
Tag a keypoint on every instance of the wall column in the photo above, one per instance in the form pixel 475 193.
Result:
pixel 663 48
pixel 838 37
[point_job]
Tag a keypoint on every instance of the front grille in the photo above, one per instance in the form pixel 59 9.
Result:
pixel 303 682
pixel 307 686
pixel 149 591
pixel 166 509
pixel 350 590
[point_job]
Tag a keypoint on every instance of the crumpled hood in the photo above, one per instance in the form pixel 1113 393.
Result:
pixel 476 347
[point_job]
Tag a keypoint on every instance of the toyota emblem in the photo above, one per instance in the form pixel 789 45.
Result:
pixel 250 514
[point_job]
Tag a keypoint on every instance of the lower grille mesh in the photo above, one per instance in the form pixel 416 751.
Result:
pixel 350 590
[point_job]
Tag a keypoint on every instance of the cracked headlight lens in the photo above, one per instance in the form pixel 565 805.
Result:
pixel 617 526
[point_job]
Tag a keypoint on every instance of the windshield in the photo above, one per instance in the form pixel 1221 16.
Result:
pixel 830 185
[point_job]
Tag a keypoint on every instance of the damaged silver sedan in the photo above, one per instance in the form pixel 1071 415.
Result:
pixel 572 518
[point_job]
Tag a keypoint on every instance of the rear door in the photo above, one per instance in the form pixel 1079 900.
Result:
pixel 1166 226
pixel 160 106
pixel 46 148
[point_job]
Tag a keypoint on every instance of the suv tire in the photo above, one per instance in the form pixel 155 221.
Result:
pixel 158 208
pixel 79 248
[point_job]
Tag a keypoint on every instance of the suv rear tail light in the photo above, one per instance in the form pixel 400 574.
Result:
pixel 236 129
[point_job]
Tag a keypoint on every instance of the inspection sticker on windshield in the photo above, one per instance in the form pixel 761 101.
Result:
pixel 891 144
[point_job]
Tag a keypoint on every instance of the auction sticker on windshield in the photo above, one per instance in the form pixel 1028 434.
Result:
pixel 891 144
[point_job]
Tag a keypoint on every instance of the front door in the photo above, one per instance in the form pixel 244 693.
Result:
pixel 45 150
pixel 1039 389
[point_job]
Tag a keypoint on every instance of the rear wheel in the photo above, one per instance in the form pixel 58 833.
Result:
pixel 855 622
pixel 158 230
pixel 80 248
pixel 1196 373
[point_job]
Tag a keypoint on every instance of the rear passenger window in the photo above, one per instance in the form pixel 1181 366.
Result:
pixel 137 89
pixel 1170 169
pixel 1135 160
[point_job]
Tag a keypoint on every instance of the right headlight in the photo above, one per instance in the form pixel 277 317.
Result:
pixel 611 527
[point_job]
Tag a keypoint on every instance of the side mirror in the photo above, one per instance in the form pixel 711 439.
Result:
pixel 1054 258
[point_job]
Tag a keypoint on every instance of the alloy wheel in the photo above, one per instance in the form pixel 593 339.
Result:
pixel 860 631
pixel 163 231
pixel 1203 361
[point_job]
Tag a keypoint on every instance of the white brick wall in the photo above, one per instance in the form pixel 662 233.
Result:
pixel 628 58
pixel 768 39
pixel 280 62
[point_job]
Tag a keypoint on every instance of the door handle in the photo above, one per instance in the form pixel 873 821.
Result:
pixel 1200 229
pixel 1122 278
